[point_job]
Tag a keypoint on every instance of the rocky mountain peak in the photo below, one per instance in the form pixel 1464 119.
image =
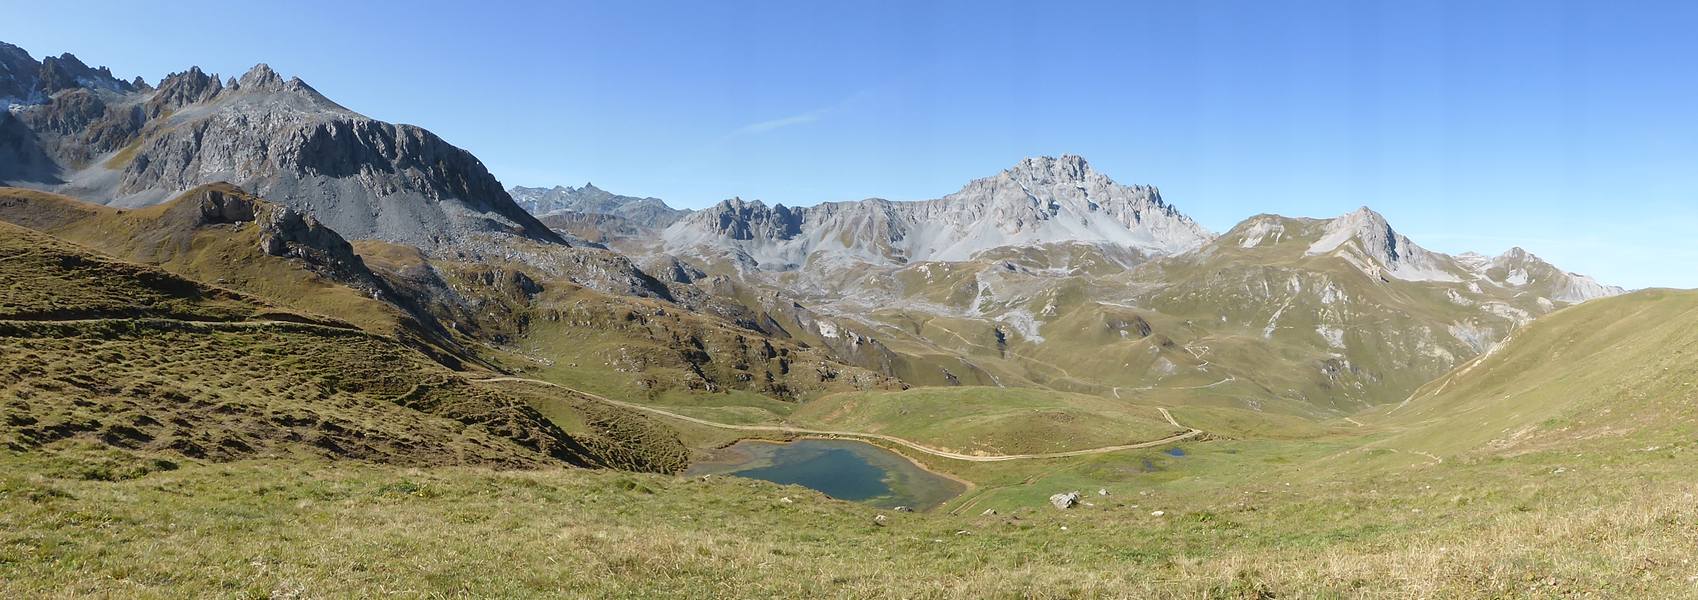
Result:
pixel 1517 254
pixel 1366 239
pixel 592 212
pixel 747 220
pixel 1039 202
pixel 1048 169
pixel 25 81
pixel 182 89
pixel 1052 185
pixel 262 78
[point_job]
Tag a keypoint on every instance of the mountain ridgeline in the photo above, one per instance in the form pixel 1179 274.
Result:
pixel 1040 201
pixel 84 133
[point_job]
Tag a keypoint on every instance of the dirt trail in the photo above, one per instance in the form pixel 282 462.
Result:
pixel 208 323
pixel 1190 433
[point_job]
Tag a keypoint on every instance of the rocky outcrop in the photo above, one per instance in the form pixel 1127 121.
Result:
pixel 182 89
pixel 282 231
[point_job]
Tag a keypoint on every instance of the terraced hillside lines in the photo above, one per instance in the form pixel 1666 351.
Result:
pixel 221 233
pixel 1192 433
pixel 625 440
pixel 50 279
pixel 98 351
pixel 619 345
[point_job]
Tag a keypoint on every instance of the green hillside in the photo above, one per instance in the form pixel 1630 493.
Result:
pixel 1620 373
pixel 100 351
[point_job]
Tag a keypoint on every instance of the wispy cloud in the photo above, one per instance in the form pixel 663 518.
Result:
pixel 805 118
pixel 780 123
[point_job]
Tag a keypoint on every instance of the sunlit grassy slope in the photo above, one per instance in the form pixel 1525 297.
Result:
pixel 990 420
pixel 173 237
pixel 1263 522
pixel 94 349
pixel 1619 373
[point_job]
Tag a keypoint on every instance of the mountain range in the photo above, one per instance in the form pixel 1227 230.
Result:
pixel 1037 275
pixel 1045 264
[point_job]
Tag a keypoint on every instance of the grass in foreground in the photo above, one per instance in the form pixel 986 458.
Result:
pixel 305 529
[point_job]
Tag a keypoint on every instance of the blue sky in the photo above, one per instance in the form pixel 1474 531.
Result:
pixel 1568 128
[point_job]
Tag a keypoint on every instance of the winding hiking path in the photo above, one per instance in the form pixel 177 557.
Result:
pixel 1188 434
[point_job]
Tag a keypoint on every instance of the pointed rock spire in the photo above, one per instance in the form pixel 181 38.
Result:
pixel 262 78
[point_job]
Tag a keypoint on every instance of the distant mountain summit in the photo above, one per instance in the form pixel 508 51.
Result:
pixel 1521 269
pixel 589 199
pixel 82 132
pixel 1043 200
pixel 591 214
pixel 1366 241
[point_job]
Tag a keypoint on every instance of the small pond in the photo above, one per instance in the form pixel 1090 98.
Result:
pixel 842 469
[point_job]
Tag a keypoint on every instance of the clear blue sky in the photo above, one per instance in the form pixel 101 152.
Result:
pixel 1569 128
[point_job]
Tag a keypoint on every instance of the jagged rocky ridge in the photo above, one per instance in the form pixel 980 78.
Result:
pixel 593 215
pixel 1039 201
pixel 650 212
pixel 84 133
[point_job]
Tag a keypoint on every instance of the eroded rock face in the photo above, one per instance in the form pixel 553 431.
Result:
pixel 23 80
pixel 178 90
pixel 81 132
pixel 364 178
pixel 1042 200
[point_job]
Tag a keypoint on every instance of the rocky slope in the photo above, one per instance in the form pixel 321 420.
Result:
pixel 81 132
pixel 1039 201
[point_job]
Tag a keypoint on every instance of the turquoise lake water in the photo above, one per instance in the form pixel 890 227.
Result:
pixel 842 469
